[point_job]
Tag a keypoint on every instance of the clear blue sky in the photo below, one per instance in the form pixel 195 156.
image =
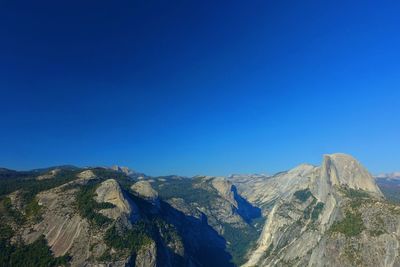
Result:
pixel 199 87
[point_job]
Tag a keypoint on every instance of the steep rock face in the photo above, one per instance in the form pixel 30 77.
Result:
pixel 64 229
pixel 199 244
pixel 229 192
pixel 335 170
pixel 317 200
pixel 180 205
pixel 147 256
pixel 344 170
pixel 224 188
pixel 285 231
pixel 341 170
pixel 332 215
pixel 68 233
pixel 76 220
pixel 110 191
pixel 224 205
pixel 213 205
pixel 263 191
pixel 377 244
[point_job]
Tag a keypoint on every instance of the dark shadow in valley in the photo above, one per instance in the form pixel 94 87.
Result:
pixel 246 210
pixel 203 245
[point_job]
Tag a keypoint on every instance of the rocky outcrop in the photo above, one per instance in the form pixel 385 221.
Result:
pixel 17 200
pixel 144 190
pixel 49 175
pixel 64 229
pixel 85 176
pixel 109 191
pixel 328 215
pixel 229 192
pixel 147 256
pixel 376 245
pixel 122 169
pixel 310 201
pixel 344 170
pixel 263 191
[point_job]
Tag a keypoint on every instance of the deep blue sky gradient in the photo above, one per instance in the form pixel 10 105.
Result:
pixel 199 87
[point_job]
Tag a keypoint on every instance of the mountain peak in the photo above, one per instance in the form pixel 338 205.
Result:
pixel 344 170
pixel 122 169
pixel 302 169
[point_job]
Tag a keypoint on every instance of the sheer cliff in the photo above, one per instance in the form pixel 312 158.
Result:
pixel 328 215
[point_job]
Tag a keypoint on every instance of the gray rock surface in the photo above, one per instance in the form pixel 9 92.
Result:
pixel 328 215
pixel 64 229
pixel 123 169
pixel 144 189
pixel 110 191
pixel 294 235
pixel 147 256
pixel 49 175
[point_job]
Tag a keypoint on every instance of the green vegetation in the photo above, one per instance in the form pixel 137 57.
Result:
pixel 184 188
pixel 19 254
pixel 303 195
pixel 29 187
pixel 269 250
pixel 26 181
pixel 106 174
pixel 352 253
pixel 168 232
pixel 5 248
pixel 16 215
pixel 240 240
pixel 313 210
pixel 307 211
pixel 377 232
pixel 379 226
pixel 352 193
pixel 198 190
pixel 317 211
pixel 106 256
pixel 37 254
pixel 33 210
pixel 88 207
pixel 357 197
pixel 351 225
pixel 130 240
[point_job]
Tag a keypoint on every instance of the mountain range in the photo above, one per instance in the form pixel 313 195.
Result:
pixel 335 214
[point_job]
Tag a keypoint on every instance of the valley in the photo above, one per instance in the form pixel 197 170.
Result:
pixel 335 214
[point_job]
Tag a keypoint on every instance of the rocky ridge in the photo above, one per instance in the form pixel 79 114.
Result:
pixel 317 208
pixel 328 215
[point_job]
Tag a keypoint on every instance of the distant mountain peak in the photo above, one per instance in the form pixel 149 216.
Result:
pixel 302 169
pixel 391 175
pixel 123 169
pixel 60 167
